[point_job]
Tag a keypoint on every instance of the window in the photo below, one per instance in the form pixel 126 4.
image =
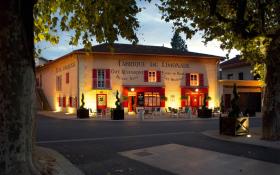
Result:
pixel 152 76
pixel 58 83
pixel 67 78
pixel 100 78
pixel 194 80
pixel 240 76
pixel 152 99
pixel 229 76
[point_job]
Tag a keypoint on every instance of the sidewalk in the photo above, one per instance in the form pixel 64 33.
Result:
pixel 50 162
pixel 182 160
pixel 150 118
pixel 253 139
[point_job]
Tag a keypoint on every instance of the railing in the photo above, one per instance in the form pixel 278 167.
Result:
pixel 42 100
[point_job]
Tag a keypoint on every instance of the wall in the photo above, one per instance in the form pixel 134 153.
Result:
pixel 235 71
pixel 128 70
pixel 49 73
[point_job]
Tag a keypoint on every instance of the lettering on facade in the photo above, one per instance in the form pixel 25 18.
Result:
pixel 170 71
pixel 163 64
pixel 123 63
pixel 65 67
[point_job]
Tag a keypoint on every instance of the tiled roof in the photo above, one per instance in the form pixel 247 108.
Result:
pixel 234 62
pixel 144 50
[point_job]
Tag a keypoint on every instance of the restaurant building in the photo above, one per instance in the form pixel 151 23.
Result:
pixel 145 77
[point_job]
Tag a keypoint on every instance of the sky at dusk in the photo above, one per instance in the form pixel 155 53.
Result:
pixel 153 31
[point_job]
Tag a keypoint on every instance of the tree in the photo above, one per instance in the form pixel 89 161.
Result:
pixel 106 20
pixel 251 26
pixel 178 43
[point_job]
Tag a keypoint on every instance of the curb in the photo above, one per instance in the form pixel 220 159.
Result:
pixel 49 161
pixel 254 139
pixel 125 120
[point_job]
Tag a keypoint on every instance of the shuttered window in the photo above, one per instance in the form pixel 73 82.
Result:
pixel 101 78
pixel 67 78
pixel 58 83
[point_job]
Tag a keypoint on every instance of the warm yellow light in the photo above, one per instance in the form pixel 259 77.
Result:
pixel 211 104
pixel 71 110
pixel 196 90
pixel 248 135
pixel 132 89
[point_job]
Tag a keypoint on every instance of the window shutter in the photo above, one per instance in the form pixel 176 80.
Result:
pixel 58 100
pixel 64 102
pixel 201 80
pixel 107 81
pixel 94 78
pixel 70 102
pixel 145 76
pixel 188 79
pixel 67 77
pixel 158 76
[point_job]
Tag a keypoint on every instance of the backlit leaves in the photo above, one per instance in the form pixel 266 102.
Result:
pixel 247 26
pixel 103 20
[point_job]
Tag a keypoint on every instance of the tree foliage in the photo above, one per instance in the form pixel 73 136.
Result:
pixel 102 20
pixel 178 43
pixel 250 26
pixel 246 25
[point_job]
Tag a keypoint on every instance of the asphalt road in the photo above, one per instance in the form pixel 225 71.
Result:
pixel 94 145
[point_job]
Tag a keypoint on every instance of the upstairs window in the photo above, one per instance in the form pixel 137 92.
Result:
pixel 58 83
pixel 240 76
pixel 152 76
pixel 194 79
pixel 100 78
pixel 67 78
pixel 229 76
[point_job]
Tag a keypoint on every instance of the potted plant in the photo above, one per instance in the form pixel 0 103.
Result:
pixel 82 112
pixel 163 98
pixel 235 124
pixel 204 111
pixel 118 112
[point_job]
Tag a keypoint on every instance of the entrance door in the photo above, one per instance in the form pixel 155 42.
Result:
pixel 194 100
pixel 131 103
pixel 101 101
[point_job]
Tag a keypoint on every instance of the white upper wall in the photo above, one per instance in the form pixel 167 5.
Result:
pixel 246 70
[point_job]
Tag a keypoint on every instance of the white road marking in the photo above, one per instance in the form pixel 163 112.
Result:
pixel 111 138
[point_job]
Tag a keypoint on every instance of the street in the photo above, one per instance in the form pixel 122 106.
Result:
pixel 93 146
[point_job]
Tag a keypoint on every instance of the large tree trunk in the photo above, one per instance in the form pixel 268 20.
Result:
pixel 16 87
pixel 271 105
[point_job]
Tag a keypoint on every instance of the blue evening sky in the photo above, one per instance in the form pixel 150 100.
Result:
pixel 153 31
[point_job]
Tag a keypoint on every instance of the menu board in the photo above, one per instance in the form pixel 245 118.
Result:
pixel 140 99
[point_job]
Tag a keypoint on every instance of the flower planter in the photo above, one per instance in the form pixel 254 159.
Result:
pixel 82 113
pixel 117 114
pixel 234 126
pixel 204 113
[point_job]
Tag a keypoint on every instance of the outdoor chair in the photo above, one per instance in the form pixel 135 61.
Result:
pixel 156 112
pixel 100 113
